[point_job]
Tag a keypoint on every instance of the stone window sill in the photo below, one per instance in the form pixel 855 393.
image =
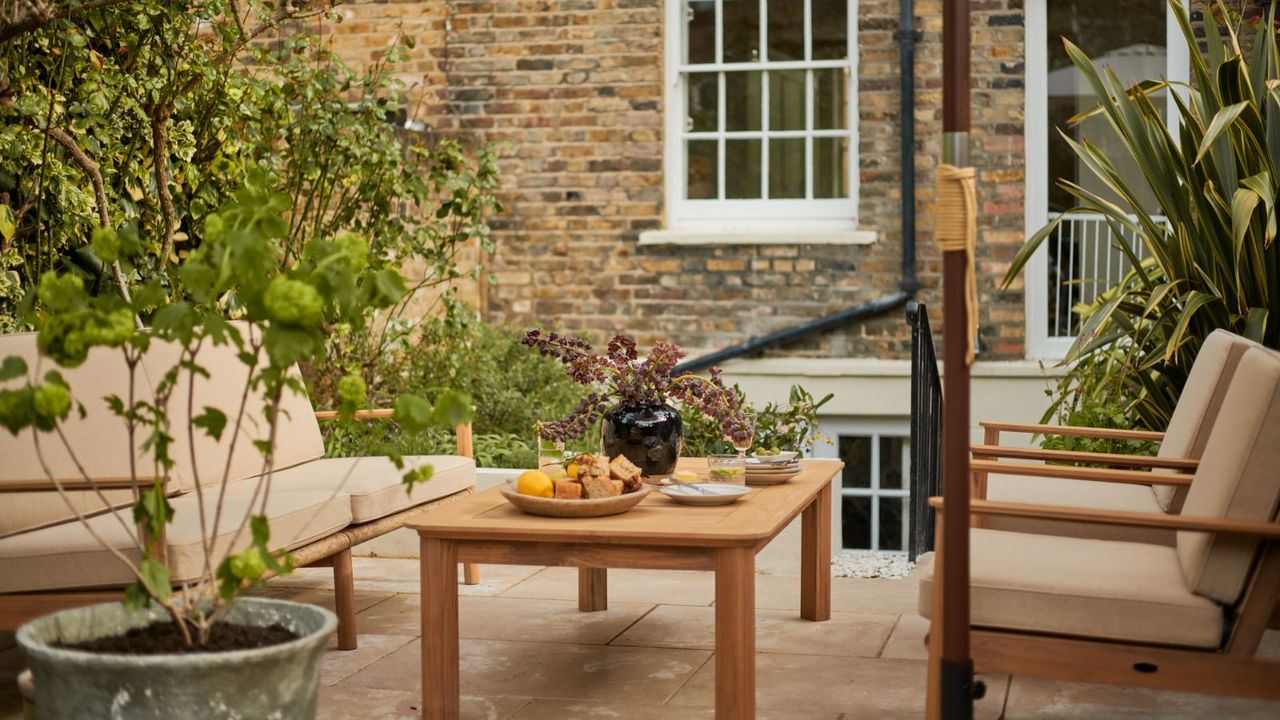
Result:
pixel 705 238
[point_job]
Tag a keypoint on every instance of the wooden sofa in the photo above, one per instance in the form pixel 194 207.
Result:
pixel 319 508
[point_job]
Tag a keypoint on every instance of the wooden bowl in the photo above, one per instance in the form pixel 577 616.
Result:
pixel 551 507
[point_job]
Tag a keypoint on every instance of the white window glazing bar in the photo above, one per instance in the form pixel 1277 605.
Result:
pixel 720 143
pixel 765 65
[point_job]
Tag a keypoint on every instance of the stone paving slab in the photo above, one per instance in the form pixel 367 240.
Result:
pixel 548 670
pixel 779 631
pixel 668 587
pixel 855 687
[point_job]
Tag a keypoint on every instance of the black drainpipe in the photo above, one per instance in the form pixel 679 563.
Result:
pixel 907 36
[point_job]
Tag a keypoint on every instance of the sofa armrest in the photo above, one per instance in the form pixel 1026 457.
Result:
pixel 462 433
pixel 1068 472
pixel 1221 526
pixel 1075 456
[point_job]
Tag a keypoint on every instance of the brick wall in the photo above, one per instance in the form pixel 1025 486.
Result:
pixel 575 88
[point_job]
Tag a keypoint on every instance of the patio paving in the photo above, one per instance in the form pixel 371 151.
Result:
pixel 528 654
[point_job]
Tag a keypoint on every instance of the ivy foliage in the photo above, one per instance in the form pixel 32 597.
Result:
pixel 147 115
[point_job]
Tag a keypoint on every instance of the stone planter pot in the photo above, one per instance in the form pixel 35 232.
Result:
pixel 280 681
pixel 649 435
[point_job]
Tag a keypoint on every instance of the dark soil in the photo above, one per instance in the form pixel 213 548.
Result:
pixel 164 638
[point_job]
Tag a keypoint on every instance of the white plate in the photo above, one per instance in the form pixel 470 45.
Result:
pixel 717 493
pixel 782 457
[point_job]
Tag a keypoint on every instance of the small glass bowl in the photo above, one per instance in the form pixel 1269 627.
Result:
pixel 729 469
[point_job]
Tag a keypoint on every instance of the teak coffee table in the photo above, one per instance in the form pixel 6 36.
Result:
pixel 656 534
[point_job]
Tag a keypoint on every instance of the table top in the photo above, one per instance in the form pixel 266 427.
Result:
pixel 657 520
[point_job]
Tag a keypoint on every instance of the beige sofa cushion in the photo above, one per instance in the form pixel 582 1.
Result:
pixel 99 440
pixel 1199 404
pixel 1085 588
pixel 1076 493
pixel 23 511
pixel 66 556
pixel 1238 478
pixel 374 484
pixel 298 434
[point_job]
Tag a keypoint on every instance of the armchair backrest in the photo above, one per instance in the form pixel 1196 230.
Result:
pixel 1238 478
pixel 1199 405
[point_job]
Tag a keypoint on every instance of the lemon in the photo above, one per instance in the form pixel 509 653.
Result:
pixel 685 476
pixel 572 470
pixel 536 483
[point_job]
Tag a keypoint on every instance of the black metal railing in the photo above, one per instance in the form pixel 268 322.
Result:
pixel 926 430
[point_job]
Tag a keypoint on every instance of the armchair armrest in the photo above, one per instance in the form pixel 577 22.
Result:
pixel 1223 526
pixel 1130 477
pixel 1075 456
pixel 1072 430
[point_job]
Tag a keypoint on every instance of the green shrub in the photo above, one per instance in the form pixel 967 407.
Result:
pixel 1215 177
pixel 786 426
pixel 386 437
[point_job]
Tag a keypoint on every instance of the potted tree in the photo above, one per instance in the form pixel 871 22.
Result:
pixel 199 649
pixel 632 399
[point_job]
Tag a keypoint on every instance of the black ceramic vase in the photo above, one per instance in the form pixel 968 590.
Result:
pixel 649 435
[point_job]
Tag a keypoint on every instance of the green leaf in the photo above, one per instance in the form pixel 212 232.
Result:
pixel 452 409
pixel 106 244
pixel 155 577
pixel 8 225
pixel 212 420
pixel 412 413
pixel 1221 121
pixel 417 475
pixel 136 597
pixel 12 367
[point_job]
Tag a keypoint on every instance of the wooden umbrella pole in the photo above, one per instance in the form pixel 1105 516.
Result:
pixel 957 235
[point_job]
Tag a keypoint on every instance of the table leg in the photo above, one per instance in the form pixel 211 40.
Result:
pixel 593 589
pixel 735 634
pixel 441 691
pixel 815 558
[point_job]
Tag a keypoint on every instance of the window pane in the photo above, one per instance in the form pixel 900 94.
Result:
pixel 741 30
pixel 742 169
pixel 786 168
pixel 891 523
pixel 701 37
pixel 855 451
pixel 702 169
pixel 830 99
pixel 786 100
pixel 855 523
pixel 830 167
pixel 891 470
pixel 831 29
pixel 742 100
pixel 703 98
pixel 786 31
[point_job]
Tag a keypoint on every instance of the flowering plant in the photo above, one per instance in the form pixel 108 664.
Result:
pixel 622 377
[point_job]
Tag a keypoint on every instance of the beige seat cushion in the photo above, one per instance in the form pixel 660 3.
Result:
pixel 298 437
pixel 66 556
pixel 1199 405
pixel 374 484
pixel 1238 478
pixel 1076 493
pixel 1085 588
pixel 99 441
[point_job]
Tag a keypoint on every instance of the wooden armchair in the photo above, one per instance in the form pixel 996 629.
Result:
pixel 1187 617
pixel 1000 472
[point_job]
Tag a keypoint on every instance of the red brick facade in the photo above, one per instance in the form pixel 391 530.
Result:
pixel 576 89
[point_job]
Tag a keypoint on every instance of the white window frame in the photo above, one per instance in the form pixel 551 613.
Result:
pixel 745 217
pixel 875 429
pixel 1040 344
